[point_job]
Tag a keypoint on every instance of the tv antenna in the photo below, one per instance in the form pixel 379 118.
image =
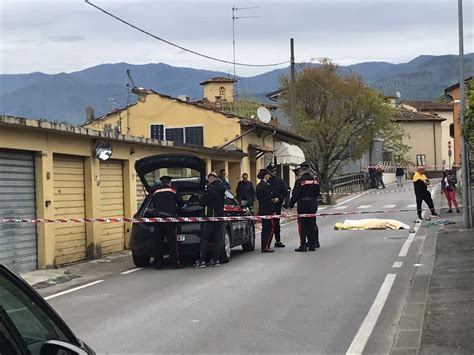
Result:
pixel 130 78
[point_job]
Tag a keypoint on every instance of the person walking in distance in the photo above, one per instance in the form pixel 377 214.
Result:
pixel 379 176
pixel 266 207
pixel 246 192
pixel 399 173
pixel 213 200
pixel 278 189
pixel 166 202
pixel 305 193
pixel 448 187
pixel 421 183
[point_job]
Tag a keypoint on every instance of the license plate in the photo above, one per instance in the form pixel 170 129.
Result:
pixel 181 237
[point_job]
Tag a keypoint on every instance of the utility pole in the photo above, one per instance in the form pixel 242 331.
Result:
pixel 293 81
pixel 466 200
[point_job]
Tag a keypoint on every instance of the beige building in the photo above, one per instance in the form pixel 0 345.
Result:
pixel 423 136
pixel 162 117
pixel 49 170
pixel 442 110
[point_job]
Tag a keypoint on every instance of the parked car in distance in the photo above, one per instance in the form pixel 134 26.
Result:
pixel 29 325
pixel 188 175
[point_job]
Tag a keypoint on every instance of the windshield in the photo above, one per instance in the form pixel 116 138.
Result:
pixel 31 321
pixel 179 176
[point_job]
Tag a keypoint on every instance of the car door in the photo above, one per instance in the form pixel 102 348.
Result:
pixel 232 208
pixel 28 325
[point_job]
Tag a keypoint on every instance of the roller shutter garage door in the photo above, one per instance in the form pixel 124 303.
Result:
pixel 141 193
pixel 69 202
pixel 18 248
pixel 112 205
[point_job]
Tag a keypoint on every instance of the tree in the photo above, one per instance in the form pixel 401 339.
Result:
pixel 468 127
pixel 340 115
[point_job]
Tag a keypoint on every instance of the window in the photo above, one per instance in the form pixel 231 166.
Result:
pixel 195 135
pixel 157 131
pixel 451 130
pixel 175 135
pixel 222 92
pixel 420 159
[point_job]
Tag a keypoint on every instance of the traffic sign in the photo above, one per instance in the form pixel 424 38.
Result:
pixel 449 144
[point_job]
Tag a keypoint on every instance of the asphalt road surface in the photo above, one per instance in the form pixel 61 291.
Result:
pixel 348 295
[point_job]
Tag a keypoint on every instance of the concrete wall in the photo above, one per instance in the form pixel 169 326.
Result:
pixel 211 90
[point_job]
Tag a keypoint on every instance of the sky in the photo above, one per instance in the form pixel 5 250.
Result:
pixel 70 35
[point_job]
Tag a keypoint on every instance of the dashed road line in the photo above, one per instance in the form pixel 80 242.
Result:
pixel 397 264
pixel 412 205
pixel 341 207
pixel 352 198
pixel 361 207
pixel 73 289
pixel 360 340
pixel 389 206
pixel 130 271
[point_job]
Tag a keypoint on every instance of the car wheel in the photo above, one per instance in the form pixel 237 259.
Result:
pixel 140 260
pixel 226 247
pixel 250 245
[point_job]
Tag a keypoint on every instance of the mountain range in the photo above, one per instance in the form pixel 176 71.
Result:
pixel 63 97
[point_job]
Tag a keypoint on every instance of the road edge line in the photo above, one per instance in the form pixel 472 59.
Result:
pixel 365 330
pixel 73 289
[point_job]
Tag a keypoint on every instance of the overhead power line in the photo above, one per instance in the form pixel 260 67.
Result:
pixel 178 46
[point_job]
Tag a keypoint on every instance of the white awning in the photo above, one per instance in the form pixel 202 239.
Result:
pixel 288 154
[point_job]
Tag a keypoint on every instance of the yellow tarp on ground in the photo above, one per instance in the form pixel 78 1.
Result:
pixel 373 223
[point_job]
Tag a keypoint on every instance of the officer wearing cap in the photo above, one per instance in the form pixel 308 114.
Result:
pixel 266 207
pixel 166 202
pixel 305 193
pixel 278 189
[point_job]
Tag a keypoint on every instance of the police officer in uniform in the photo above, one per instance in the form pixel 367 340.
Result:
pixel 278 189
pixel 305 193
pixel 213 200
pixel 166 202
pixel 266 207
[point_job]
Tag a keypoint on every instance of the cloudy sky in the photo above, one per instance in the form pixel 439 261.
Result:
pixel 70 35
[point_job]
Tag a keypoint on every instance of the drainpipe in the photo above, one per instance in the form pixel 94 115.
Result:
pixel 434 143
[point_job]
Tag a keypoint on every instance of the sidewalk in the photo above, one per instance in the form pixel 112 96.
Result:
pixel 449 315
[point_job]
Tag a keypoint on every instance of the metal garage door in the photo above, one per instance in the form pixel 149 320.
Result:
pixel 141 193
pixel 112 205
pixel 17 199
pixel 69 202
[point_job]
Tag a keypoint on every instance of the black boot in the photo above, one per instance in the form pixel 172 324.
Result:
pixel 302 248
pixel 279 245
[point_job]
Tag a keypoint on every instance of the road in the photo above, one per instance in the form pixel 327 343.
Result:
pixel 284 302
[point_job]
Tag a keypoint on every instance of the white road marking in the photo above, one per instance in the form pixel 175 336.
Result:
pixel 364 207
pixel 341 207
pixel 389 206
pixel 360 340
pixel 322 208
pixel 130 271
pixel 417 264
pixel 412 205
pixel 352 198
pixel 406 245
pixel 397 264
pixel 73 289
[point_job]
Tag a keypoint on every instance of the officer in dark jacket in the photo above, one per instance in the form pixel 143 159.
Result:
pixel 266 207
pixel 166 202
pixel 279 189
pixel 213 200
pixel 305 193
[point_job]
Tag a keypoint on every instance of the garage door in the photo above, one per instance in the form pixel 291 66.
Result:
pixel 141 193
pixel 112 205
pixel 17 199
pixel 69 202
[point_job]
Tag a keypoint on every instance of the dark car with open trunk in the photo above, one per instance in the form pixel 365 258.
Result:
pixel 188 175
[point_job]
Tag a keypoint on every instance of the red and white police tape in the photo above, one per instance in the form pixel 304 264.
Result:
pixel 192 219
pixel 410 166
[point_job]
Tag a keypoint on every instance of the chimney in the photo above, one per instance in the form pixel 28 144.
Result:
pixel 90 115
pixel 184 98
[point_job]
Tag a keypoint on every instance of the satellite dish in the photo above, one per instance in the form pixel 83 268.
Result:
pixel 263 114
